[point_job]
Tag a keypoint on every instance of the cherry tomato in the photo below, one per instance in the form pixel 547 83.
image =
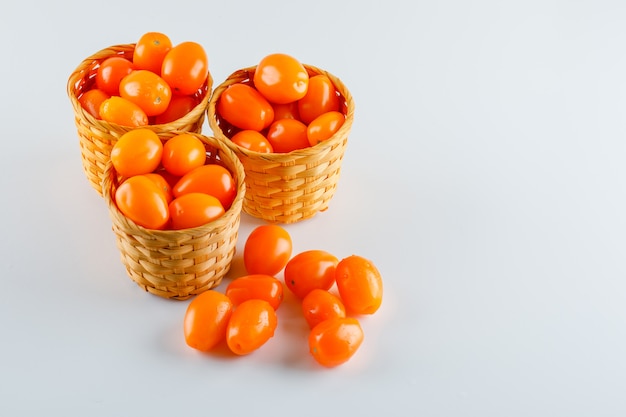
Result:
pixel 110 73
pixel 319 305
pixel 287 135
pixel 259 286
pixel 251 325
pixel 179 106
pixel 360 284
pixel 309 270
pixel 324 126
pixel 321 97
pixel 147 90
pixel 137 151
pixel 91 100
pixel 267 249
pixel 150 50
pixel 139 199
pixel 193 210
pixel 253 141
pixel 206 319
pixel 334 341
pixel 185 67
pixel 162 185
pixel 183 153
pixel 210 179
pixel 286 111
pixel 281 78
pixel 244 107
pixel 118 110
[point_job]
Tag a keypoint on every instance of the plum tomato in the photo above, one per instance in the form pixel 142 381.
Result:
pixel 193 210
pixel 182 153
pixel 251 325
pixel 321 97
pixel 258 286
pixel 287 135
pixel 211 179
pixel 253 141
pixel 91 100
pixel 185 67
pixel 309 270
pixel 334 341
pixel 324 126
pixel 147 90
pixel 286 111
pixel 281 78
pixel 244 107
pixel 206 320
pixel 179 106
pixel 267 250
pixel 137 151
pixel 139 199
pixel 110 73
pixel 150 50
pixel 360 285
pixel 118 110
pixel 162 184
pixel 319 305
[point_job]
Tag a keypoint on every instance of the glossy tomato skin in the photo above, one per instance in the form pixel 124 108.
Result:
pixel 267 250
pixel 193 210
pixel 324 127
pixel 286 111
pixel 259 286
pixel 139 199
pixel 91 100
pixel 183 153
pixel 244 107
pixel 211 179
pixel 281 78
pixel 147 90
pixel 137 151
pixel 309 270
pixel 334 341
pixel 118 110
pixel 286 135
pixel 251 325
pixel 253 141
pixel 321 97
pixel 319 305
pixel 150 50
pixel 185 67
pixel 110 73
pixel 162 184
pixel 360 284
pixel 206 319
pixel 179 106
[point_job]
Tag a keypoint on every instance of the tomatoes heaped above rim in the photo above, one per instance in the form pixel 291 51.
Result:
pixel 185 68
pixel 281 78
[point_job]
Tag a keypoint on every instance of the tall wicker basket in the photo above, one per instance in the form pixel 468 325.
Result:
pixel 287 187
pixel 97 137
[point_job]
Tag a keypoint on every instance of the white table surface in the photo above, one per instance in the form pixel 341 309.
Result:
pixel 485 176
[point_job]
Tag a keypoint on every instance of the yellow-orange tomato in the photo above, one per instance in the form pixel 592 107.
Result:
pixel 321 97
pixel 91 100
pixel 179 106
pixel 334 341
pixel 319 305
pixel 251 325
pixel 309 270
pixel 137 151
pixel 193 210
pixel 147 90
pixel 281 78
pixel 118 110
pixel 182 153
pixel 206 319
pixel 253 141
pixel 259 287
pixel 139 199
pixel 360 285
pixel 287 135
pixel 267 249
pixel 150 50
pixel 210 179
pixel 110 73
pixel 244 107
pixel 162 185
pixel 185 67
pixel 324 126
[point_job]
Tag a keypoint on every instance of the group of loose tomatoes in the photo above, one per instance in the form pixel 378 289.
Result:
pixel 158 85
pixel 245 314
pixel 282 108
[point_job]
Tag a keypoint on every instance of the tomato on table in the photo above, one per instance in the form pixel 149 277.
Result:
pixel 147 90
pixel 334 341
pixel 281 78
pixel 139 199
pixel 206 319
pixel 213 179
pixel 267 250
pixel 150 50
pixel 258 286
pixel 309 270
pixel 110 73
pixel 137 151
pixel 185 68
pixel 251 325
pixel 319 305
pixel 360 284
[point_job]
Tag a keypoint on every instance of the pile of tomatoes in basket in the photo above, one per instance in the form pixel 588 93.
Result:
pixel 158 85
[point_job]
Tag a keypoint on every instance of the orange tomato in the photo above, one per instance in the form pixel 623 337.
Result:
pixel 324 126
pixel 267 249
pixel 139 199
pixel 253 141
pixel 309 270
pixel 287 135
pixel 259 287
pixel 137 151
pixel 193 210
pixel 179 106
pixel 185 67
pixel 334 341
pixel 281 78
pixel 183 153
pixel 147 90
pixel 321 97
pixel 286 111
pixel 150 50
pixel 118 110
pixel 162 184
pixel 91 100
pixel 360 284
pixel 244 107
pixel 251 325
pixel 206 320
pixel 319 305
pixel 210 179
pixel 110 73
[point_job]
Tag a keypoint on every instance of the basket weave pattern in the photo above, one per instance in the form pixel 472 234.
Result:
pixel 294 186
pixel 178 264
pixel 97 137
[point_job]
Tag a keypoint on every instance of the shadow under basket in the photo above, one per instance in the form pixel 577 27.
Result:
pixel 287 187
pixel 179 264
pixel 97 137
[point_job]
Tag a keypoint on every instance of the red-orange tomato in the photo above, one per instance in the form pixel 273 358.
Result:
pixel 179 106
pixel 360 285
pixel 210 179
pixel 137 151
pixel 255 287
pixel 286 111
pixel 281 78
pixel 139 199
pixel 244 107
pixel 118 110
pixel 162 184
pixel 193 210
pixel 324 126
pixel 185 67
pixel 321 97
pixel 150 50
pixel 319 305
pixel 110 73
pixel 251 325
pixel 147 90
pixel 267 250
pixel 334 341
pixel 183 153
pixel 309 270
pixel 253 141
pixel 287 135
pixel 206 320
pixel 91 100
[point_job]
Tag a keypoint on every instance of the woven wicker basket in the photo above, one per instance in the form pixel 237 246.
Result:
pixel 294 186
pixel 179 264
pixel 97 137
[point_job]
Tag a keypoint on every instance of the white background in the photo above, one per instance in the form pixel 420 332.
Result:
pixel 484 176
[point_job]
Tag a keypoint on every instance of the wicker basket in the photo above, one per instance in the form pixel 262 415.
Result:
pixel 294 186
pixel 97 137
pixel 179 264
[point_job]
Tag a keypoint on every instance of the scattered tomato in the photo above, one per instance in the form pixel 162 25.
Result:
pixel 182 153
pixel 281 78
pixel 139 199
pixel 360 284
pixel 309 270
pixel 193 210
pixel 334 341
pixel 319 305
pixel 259 286
pixel 185 67
pixel 210 179
pixel 251 325
pixel 206 320
pixel 137 151
pixel 267 250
